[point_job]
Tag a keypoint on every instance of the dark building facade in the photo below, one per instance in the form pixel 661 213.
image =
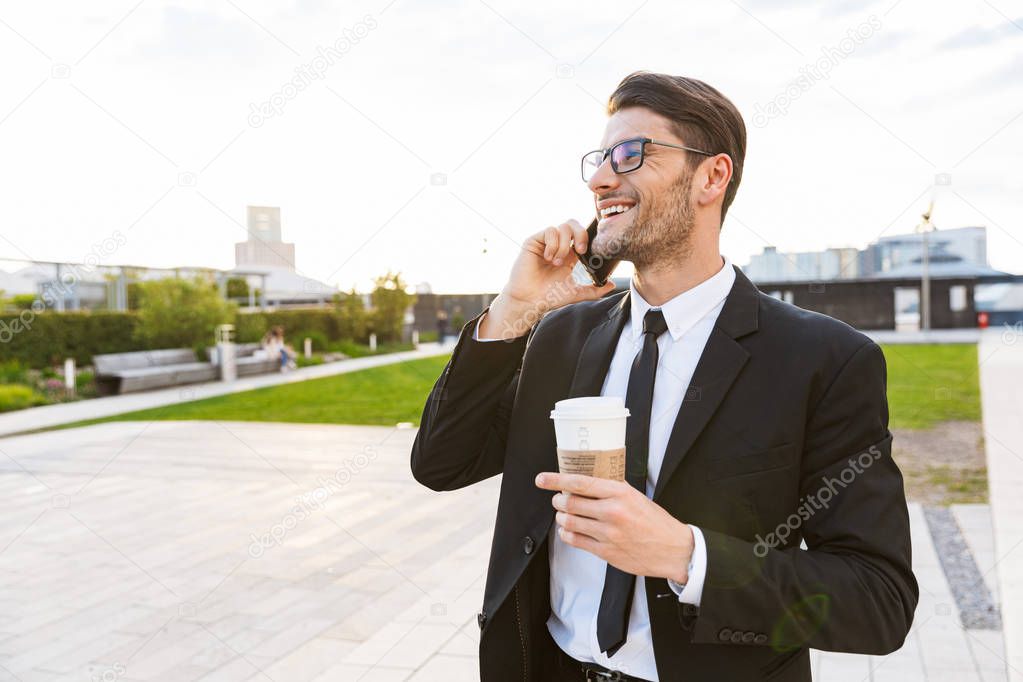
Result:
pixel 868 303
pixel 888 303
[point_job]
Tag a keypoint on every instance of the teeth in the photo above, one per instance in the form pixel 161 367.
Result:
pixel 619 208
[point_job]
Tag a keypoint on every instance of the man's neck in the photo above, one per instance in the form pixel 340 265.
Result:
pixel 660 282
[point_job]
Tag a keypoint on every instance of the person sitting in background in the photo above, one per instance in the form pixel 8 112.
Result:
pixel 273 345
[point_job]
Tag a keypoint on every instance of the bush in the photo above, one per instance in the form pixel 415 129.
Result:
pixel 297 340
pixel 47 338
pixel 179 313
pixel 358 350
pixel 12 372
pixel 16 397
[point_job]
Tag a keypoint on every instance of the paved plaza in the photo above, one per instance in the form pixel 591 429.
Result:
pixel 236 551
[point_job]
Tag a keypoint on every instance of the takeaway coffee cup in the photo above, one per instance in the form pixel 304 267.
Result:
pixel 590 435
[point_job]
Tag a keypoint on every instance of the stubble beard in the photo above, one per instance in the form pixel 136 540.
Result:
pixel 661 233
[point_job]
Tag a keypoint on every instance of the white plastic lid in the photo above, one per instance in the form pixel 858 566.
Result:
pixel 591 407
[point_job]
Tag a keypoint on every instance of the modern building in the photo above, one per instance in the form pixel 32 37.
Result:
pixel 268 264
pixel 833 263
pixel 961 251
pixel 264 246
pixel 880 287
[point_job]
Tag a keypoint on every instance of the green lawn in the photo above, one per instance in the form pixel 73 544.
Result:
pixel 931 383
pixel 926 384
pixel 381 395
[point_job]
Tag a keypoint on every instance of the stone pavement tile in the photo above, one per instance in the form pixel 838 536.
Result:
pixel 235 670
pixel 835 667
pixel 286 641
pixel 943 646
pixel 32 676
pixel 902 666
pixel 79 662
pixel 403 645
pixel 364 673
pixel 975 522
pixel 364 623
pixel 444 667
pixel 157 659
pixel 467 643
pixel 311 659
pixel 988 648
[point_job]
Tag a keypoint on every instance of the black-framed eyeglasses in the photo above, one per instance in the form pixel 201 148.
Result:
pixel 626 156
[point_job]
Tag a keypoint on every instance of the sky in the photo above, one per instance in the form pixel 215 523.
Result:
pixel 433 138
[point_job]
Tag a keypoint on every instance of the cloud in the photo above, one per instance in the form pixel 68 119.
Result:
pixel 199 35
pixel 976 36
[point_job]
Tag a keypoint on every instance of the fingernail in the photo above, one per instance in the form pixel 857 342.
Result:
pixel 539 479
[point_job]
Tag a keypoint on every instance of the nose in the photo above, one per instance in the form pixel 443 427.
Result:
pixel 604 179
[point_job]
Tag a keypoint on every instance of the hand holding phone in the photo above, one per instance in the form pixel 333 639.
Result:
pixel 598 268
pixel 538 278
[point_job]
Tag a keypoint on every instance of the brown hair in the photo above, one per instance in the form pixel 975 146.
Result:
pixel 700 115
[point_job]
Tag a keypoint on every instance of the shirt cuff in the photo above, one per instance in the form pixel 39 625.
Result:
pixel 476 330
pixel 691 592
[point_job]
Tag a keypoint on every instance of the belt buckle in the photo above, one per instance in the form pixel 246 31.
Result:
pixel 600 675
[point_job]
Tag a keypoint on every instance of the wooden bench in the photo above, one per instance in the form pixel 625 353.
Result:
pixel 145 370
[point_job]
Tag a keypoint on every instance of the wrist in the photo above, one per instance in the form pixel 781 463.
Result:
pixel 680 566
pixel 509 318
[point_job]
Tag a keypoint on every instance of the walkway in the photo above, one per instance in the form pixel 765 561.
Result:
pixel 1000 354
pixel 67 413
pixel 224 551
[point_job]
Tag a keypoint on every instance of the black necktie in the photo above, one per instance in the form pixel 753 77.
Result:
pixel 616 599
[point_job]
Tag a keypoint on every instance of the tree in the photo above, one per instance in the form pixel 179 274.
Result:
pixel 390 301
pixel 237 287
pixel 179 313
pixel 352 322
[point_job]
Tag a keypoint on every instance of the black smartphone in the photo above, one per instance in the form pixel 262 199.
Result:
pixel 597 267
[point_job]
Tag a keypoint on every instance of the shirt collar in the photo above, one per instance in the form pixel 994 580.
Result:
pixel 686 309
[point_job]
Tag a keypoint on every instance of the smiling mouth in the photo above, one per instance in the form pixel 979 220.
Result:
pixel 612 212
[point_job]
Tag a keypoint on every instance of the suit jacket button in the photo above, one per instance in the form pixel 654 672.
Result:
pixel 760 639
pixel 690 610
pixel 724 634
pixel 736 637
pixel 527 545
pixel 748 637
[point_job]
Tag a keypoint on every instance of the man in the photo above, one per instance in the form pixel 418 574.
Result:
pixel 760 425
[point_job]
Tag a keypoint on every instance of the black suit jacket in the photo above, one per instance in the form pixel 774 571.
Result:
pixel 782 436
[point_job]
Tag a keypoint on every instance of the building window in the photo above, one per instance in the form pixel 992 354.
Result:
pixel 787 296
pixel 957 298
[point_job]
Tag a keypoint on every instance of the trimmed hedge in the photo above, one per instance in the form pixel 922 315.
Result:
pixel 45 339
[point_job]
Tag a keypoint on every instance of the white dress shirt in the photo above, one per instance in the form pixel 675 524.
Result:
pixel 577 576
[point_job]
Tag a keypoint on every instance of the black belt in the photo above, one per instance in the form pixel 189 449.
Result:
pixel 590 672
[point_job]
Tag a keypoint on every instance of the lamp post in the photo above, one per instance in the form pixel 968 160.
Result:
pixel 924 228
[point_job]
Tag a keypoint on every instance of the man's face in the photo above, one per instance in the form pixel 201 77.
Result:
pixel 659 221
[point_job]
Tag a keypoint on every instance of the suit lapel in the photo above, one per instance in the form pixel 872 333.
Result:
pixel 722 360
pixel 597 351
